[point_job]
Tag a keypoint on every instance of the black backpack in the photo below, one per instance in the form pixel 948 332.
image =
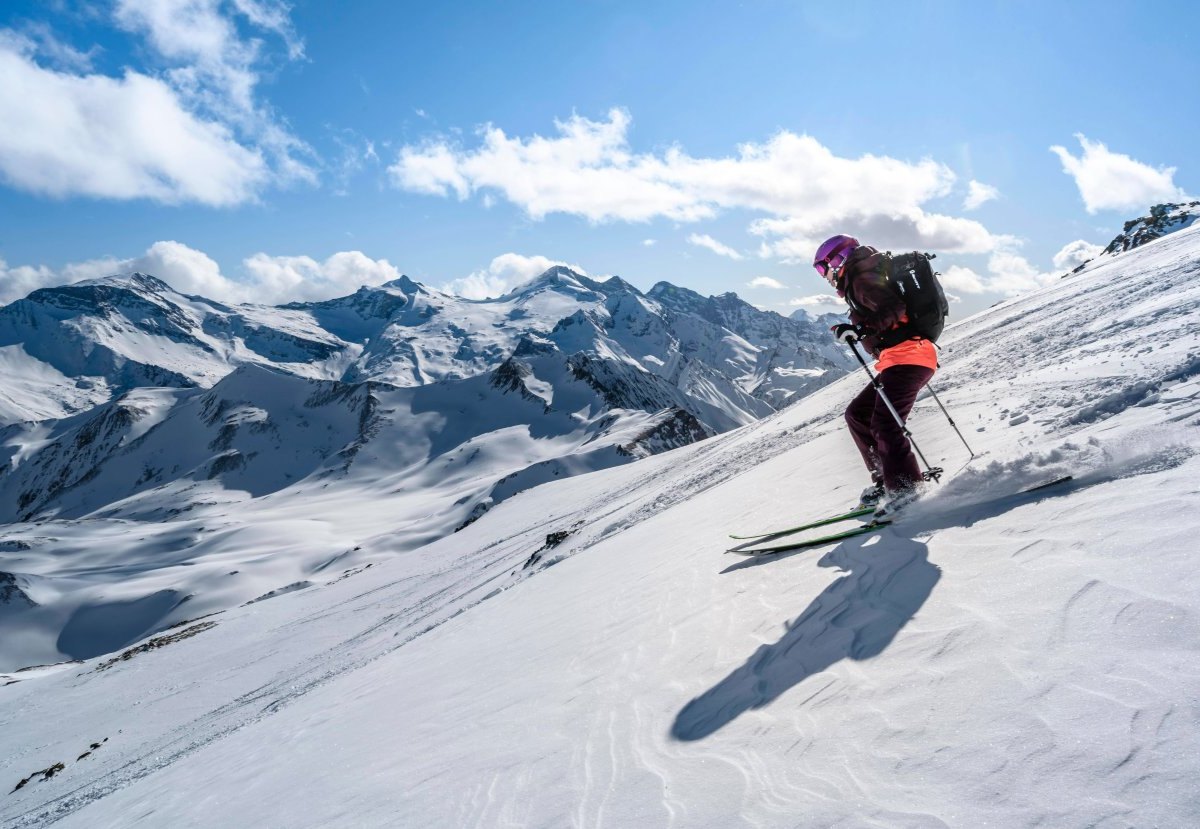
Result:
pixel 912 277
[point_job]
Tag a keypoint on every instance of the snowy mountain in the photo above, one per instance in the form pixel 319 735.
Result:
pixel 1163 219
pixel 190 420
pixel 72 347
pixel 584 654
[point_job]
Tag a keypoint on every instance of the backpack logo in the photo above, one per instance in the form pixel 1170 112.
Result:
pixel 913 274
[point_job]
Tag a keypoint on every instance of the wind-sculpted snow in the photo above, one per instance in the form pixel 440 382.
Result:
pixel 581 653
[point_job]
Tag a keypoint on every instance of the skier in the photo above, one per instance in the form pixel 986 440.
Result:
pixel 906 362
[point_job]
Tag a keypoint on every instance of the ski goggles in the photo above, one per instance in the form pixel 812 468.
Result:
pixel 829 266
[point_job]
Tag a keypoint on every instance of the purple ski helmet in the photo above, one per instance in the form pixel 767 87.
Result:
pixel 832 254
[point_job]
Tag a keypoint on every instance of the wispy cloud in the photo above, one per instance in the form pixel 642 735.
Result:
pixel 215 69
pixel 588 169
pixel 816 300
pixel 703 240
pixel 979 194
pixel 1114 181
pixel 766 282
pixel 355 153
pixel 38 38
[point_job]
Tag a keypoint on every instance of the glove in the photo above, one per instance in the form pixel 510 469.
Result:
pixel 845 333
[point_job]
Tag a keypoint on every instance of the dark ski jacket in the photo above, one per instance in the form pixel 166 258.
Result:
pixel 874 306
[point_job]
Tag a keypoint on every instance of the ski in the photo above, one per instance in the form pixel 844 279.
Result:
pixel 1064 479
pixel 742 550
pixel 749 550
pixel 855 513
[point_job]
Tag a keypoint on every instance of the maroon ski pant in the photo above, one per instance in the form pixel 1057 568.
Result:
pixel 884 447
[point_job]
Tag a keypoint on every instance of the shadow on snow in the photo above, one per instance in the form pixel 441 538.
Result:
pixel 888 579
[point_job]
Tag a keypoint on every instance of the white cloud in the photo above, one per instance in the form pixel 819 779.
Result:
pixel 1011 274
pixel 588 169
pixel 963 279
pixel 276 279
pixel 649 243
pixel 355 153
pixel 215 68
pixel 274 16
pixel 1008 273
pixel 1076 253
pixel 1114 181
pixel 816 300
pixel 191 130
pixel 115 138
pixel 978 194
pixel 794 239
pixel 703 240
pixel 19 281
pixel 766 282
pixel 267 280
pixel 505 273
pixel 38 38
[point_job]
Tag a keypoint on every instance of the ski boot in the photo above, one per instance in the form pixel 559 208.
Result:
pixel 871 496
pixel 894 502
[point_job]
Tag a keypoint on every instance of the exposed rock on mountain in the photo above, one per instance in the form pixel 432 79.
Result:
pixel 1163 219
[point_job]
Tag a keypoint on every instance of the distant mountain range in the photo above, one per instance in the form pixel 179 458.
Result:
pixel 224 449
pixel 121 388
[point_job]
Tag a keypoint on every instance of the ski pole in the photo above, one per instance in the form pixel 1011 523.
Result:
pixel 931 472
pixel 948 417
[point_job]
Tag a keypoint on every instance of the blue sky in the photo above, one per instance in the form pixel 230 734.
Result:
pixel 256 150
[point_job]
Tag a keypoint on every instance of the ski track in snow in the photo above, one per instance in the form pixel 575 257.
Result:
pixel 969 666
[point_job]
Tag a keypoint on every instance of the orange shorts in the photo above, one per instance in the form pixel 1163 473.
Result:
pixel 914 352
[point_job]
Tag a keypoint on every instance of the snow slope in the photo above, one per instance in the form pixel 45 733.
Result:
pixel 584 654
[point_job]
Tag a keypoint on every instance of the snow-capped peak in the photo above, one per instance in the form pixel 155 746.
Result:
pixel 135 280
pixel 406 285
pixel 559 278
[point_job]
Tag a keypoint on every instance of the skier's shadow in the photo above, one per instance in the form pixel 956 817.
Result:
pixel 888 579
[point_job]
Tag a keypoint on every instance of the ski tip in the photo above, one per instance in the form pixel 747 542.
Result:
pixel 1055 482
